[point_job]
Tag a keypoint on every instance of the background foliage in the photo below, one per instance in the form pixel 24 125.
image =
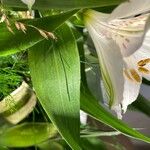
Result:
pixel 49 49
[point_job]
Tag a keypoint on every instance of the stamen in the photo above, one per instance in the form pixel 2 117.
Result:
pixel 135 75
pixel 144 62
pixel 147 60
pixel 141 63
pixel 127 75
pixel 143 70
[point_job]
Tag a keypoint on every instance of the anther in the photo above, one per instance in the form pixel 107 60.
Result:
pixel 143 70
pixel 135 75
pixel 141 63
pixel 147 60
pixel 127 75
pixel 144 62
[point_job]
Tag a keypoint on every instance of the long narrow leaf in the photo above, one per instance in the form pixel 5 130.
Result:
pixel 48 4
pixel 92 107
pixel 55 72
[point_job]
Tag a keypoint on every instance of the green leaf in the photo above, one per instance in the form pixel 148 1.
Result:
pixel 93 108
pixel 142 104
pixel 12 43
pixel 3 148
pixel 27 134
pixel 92 143
pixel 50 145
pixel 55 72
pixel 62 4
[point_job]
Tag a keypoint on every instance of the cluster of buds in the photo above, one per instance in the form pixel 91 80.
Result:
pixel 20 26
pixel 43 33
pixel 23 27
pixel 5 19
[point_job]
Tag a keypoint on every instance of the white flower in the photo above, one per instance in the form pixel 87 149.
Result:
pixel 83 117
pixel 122 41
pixel 29 3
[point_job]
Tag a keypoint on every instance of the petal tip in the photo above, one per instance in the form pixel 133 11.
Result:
pixel 118 111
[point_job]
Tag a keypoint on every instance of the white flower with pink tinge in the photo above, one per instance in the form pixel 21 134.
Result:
pixel 122 42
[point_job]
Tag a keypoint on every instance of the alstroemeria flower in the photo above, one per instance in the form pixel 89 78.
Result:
pixel 122 41
pixel 29 3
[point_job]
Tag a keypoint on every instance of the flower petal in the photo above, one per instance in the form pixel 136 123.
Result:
pixel 131 92
pixel 140 62
pixel 142 57
pixel 131 8
pixel 130 33
pixel 127 33
pixel 111 63
pixel 132 84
